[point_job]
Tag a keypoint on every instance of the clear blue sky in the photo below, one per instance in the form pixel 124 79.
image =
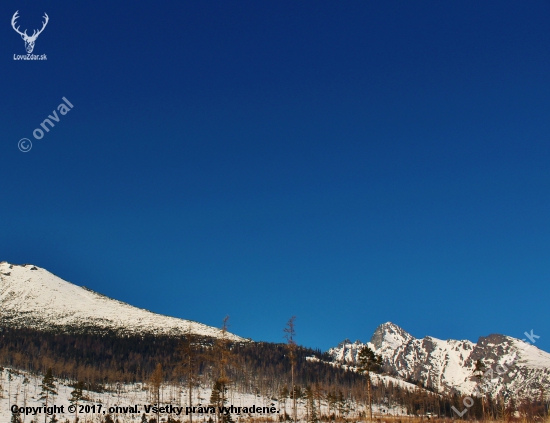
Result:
pixel 350 163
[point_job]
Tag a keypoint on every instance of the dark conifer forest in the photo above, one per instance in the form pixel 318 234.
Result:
pixel 101 361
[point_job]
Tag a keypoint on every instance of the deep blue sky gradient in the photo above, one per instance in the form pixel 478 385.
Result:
pixel 350 163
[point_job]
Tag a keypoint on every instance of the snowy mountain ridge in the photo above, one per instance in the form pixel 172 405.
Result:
pixel 32 297
pixel 447 366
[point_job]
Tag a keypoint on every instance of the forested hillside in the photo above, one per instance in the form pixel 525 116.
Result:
pixel 103 361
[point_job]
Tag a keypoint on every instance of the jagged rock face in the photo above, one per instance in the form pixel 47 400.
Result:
pixel 448 365
pixel 389 334
pixel 346 351
pixel 32 297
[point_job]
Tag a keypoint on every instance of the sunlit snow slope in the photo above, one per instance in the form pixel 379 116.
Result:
pixel 32 297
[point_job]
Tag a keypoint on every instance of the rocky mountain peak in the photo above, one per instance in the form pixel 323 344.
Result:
pixel 389 333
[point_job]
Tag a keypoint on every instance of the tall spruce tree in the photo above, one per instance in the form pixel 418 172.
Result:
pixel 48 389
pixel 367 362
pixel 218 400
pixel 77 395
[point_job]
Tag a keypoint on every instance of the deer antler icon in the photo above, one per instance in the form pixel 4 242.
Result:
pixel 29 41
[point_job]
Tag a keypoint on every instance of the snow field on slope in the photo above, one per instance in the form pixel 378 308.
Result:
pixel 137 394
pixel 29 294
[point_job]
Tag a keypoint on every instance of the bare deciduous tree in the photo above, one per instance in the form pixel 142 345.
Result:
pixel 191 355
pixel 156 383
pixel 290 334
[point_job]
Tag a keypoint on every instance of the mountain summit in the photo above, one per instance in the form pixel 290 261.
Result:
pixel 32 297
pixel 446 366
pixel 389 334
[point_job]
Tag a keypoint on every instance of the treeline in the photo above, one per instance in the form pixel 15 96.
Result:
pixel 110 358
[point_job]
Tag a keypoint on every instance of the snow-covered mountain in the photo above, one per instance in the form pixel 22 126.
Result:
pixel 32 297
pixel 517 366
